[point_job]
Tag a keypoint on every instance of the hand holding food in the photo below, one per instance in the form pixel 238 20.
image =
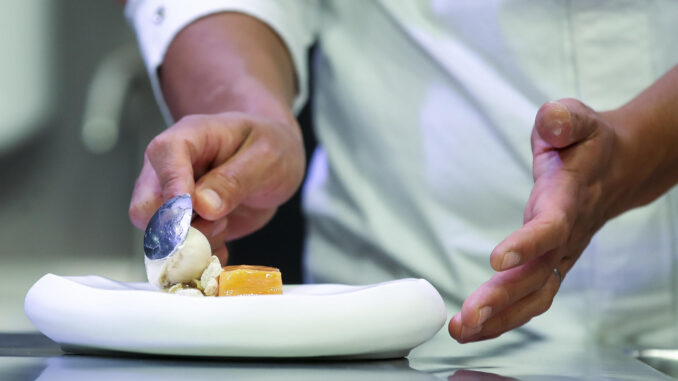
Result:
pixel 238 168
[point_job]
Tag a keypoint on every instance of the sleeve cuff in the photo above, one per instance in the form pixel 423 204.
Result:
pixel 157 22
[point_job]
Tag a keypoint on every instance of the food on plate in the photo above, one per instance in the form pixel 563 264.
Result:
pixel 192 270
pixel 185 290
pixel 249 280
pixel 231 281
pixel 179 259
pixel 209 280
pixel 187 263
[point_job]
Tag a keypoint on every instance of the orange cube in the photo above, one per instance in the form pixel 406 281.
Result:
pixel 249 280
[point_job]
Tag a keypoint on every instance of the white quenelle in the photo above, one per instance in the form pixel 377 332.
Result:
pixel 184 265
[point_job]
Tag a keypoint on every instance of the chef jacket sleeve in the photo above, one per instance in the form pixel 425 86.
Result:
pixel 157 22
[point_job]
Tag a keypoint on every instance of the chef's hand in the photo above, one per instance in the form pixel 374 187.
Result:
pixel 573 150
pixel 237 168
pixel 237 149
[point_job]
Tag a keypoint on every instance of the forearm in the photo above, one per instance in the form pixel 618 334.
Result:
pixel 647 130
pixel 228 62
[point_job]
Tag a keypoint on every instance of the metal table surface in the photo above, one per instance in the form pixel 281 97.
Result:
pixel 32 356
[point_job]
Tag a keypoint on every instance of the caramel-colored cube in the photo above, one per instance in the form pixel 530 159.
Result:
pixel 249 280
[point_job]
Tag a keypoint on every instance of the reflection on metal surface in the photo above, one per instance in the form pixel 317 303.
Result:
pixel 664 360
pixel 168 369
pixel 168 227
pixel 472 375
pixel 32 356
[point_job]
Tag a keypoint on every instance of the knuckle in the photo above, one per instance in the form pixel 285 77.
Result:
pixel 134 213
pixel 505 320
pixel 245 121
pixel 157 145
pixel 137 215
pixel 228 182
pixel 544 305
pixel 153 146
pixel 545 269
pixel 190 120
pixel 269 149
pixel 561 226
pixel 172 181
pixel 545 301
pixel 502 295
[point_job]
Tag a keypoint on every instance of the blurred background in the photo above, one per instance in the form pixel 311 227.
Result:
pixel 77 112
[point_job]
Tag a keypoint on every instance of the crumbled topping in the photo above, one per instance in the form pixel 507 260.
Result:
pixel 209 277
pixel 207 285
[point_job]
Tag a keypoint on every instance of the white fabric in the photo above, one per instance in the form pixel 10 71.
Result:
pixel 424 111
pixel 157 22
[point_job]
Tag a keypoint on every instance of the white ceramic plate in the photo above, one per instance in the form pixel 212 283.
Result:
pixel 92 314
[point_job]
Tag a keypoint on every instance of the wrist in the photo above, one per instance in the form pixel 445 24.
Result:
pixel 644 164
pixel 228 62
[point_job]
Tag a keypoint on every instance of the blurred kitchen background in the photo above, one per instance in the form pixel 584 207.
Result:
pixel 76 112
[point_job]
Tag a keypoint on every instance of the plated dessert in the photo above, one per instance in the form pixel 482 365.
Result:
pixel 96 315
pixel 179 259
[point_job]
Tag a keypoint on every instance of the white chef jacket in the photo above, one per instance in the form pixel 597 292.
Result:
pixel 424 109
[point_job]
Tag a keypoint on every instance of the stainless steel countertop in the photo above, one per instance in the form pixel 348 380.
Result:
pixel 31 356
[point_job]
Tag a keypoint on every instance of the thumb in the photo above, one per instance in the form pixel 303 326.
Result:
pixel 190 147
pixel 243 177
pixel 565 122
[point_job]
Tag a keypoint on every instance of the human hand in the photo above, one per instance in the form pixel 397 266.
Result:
pixel 573 196
pixel 237 168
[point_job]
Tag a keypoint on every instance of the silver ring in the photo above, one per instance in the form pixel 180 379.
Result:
pixel 558 275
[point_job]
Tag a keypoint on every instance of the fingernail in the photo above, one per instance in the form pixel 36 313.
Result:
pixel 557 128
pixel 211 198
pixel 510 259
pixel 484 314
pixel 558 118
pixel 467 332
pixel 554 123
pixel 219 228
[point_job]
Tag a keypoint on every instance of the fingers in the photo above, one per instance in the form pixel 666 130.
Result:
pixel 245 220
pixel 215 231
pixel 568 139
pixel 242 221
pixel 565 122
pixel 257 175
pixel 146 197
pixel 187 150
pixel 505 289
pixel 177 155
pixel 511 298
pixel 245 168
pixel 172 163
pixel 543 233
pixel 515 315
